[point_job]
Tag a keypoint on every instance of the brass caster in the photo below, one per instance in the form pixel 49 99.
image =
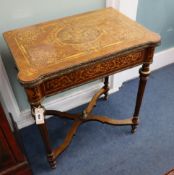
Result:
pixel 106 97
pixel 134 127
pixel 53 164
pixel 52 161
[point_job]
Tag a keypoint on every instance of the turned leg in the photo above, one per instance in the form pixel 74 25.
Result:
pixel 144 73
pixel 106 87
pixel 45 137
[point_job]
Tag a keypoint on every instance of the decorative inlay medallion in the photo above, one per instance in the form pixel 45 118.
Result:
pixel 78 34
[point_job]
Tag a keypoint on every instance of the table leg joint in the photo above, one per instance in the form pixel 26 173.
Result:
pixel 93 102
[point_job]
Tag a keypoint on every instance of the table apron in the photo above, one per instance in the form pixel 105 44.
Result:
pixel 86 74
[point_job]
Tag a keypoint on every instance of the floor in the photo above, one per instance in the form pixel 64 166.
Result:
pixel 99 149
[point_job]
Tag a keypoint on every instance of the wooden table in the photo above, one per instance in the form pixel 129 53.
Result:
pixel 58 55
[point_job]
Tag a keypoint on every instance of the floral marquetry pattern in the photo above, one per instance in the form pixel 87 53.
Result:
pixel 35 94
pixel 83 75
pixel 92 72
pixel 59 44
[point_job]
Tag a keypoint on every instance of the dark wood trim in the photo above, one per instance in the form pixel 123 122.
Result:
pixel 16 162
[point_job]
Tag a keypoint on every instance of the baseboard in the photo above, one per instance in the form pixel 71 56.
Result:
pixel 83 95
pixel 163 58
pixel 160 60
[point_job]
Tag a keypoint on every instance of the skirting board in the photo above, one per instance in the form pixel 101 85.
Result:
pixel 84 95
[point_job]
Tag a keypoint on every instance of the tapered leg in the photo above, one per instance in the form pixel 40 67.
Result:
pixel 45 137
pixel 144 73
pixel 106 86
pixel 44 133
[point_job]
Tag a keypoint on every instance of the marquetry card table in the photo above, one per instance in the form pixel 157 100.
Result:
pixel 54 56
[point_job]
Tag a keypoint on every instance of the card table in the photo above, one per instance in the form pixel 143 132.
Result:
pixel 58 55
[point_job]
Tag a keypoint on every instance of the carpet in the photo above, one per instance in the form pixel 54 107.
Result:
pixel 99 149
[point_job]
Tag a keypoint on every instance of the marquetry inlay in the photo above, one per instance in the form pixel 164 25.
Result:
pixel 79 35
pixel 58 55
pixel 54 46
pixel 82 75
pixel 92 72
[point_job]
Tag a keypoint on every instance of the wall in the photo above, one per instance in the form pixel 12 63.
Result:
pixel 157 15
pixel 20 13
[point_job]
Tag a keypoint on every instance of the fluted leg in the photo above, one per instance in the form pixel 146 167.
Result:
pixel 45 137
pixel 44 133
pixel 106 87
pixel 144 73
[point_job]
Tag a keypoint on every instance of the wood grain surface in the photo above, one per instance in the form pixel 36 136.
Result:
pixel 49 48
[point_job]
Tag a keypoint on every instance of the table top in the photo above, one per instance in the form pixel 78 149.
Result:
pixel 64 44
